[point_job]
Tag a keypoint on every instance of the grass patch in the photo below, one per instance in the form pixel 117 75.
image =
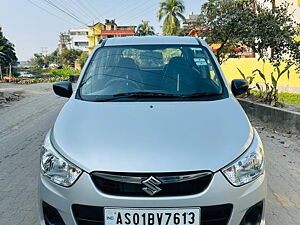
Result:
pixel 288 98
pixel 46 75
pixel 59 72
pixel 53 72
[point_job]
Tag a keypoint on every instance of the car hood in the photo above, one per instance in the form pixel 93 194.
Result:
pixel 151 136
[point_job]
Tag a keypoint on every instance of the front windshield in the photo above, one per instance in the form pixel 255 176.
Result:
pixel 176 70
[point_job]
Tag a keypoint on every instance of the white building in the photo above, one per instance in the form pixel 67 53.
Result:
pixel 79 39
pixel 294 8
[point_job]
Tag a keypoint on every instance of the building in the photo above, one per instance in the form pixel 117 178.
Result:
pixel 79 39
pixel 109 29
pixel 189 25
pixel 293 9
pixel 64 42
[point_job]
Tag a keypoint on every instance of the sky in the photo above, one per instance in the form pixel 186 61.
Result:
pixel 33 24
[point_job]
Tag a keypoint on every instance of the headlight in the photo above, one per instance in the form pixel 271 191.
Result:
pixel 247 167
pixel 56 168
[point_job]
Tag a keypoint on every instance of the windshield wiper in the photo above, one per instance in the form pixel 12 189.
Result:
pixel 147 94
pixel 202 94
pixel 137 95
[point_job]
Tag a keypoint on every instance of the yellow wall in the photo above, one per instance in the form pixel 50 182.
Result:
pixel 109 27
pixel 248 65
pixel 94 33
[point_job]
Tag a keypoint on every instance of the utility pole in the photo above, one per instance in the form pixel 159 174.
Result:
pixel 10 71
pixel 273 4
pixel 0 71
pixel 273 8
pixel 44 51
pixel 254 8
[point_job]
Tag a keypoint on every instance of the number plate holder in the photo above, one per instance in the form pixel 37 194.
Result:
pixel 152 216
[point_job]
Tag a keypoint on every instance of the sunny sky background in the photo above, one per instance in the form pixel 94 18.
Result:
pixel 29 27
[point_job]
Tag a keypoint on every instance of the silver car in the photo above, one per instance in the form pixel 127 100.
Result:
pixel 152 135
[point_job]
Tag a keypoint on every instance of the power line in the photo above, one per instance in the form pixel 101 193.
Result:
pixel 142 13
pixel 33 3
pixel 83 10
pixel 69 6
pixel 143 4
pixel 90 9
pixel 65 12
pixel 120 10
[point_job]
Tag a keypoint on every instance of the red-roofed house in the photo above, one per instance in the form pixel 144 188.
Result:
pixel 110 29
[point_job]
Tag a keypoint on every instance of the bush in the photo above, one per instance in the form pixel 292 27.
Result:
pixel 63 72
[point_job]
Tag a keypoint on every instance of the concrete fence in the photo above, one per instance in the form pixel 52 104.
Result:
pixel 277 118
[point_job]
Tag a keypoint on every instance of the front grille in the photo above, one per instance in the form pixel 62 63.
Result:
pixel 170 184
pixel 210 215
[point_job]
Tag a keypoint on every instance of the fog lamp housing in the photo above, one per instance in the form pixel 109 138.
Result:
pixel 253 215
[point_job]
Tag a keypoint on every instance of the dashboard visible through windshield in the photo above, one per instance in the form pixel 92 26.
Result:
pixel 151 72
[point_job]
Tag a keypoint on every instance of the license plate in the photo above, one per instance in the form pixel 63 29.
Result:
pixel 152 216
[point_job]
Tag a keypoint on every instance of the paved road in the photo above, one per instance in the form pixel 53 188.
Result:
pixel 24 124
pixel 22 129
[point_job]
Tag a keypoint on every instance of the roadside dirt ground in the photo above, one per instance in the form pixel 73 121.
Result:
pixel 24 123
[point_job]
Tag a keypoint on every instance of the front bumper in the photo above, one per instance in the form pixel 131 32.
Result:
pixel 84 192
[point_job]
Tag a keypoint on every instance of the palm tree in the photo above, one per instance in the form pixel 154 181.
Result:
pixel 145 29
pixel 172 10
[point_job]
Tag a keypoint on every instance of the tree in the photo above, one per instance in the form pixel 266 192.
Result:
pixel 52 58
pixel 171 11
pixel 274 28
pixel 270 32
pixel 8 57
pixel 145 29
pixel 66 59
pixel 69 56
pixel 82 59
pixel 37 61
pixel 247 23
pixel 223 22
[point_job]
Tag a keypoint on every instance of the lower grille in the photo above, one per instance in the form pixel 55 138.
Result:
pixel 210 215
pixel 169 184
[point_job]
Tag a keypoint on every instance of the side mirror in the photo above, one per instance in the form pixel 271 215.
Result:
pixel 239 86
pixel 63 89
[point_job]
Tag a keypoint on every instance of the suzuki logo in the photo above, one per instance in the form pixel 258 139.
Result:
pixel 151 186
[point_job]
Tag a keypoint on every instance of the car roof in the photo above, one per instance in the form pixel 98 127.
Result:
pixel 152 40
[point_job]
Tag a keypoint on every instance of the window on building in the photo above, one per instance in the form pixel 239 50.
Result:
pixel 81 44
